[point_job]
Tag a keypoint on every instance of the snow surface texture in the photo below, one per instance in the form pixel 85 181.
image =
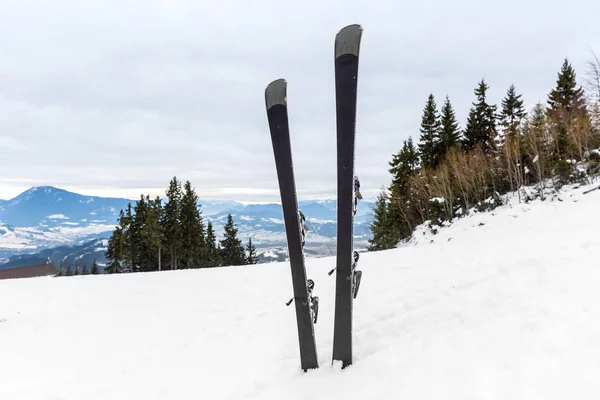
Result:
pixel 31 238
pixel 502 305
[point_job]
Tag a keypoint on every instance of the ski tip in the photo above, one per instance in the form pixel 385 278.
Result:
pixel 347 41
pixel 276 93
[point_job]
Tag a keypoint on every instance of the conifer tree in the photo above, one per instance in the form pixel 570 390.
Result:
pixel 566 97
pixel 115 251
pixel 85 270
pixel 212 253
pixel 153 232
pixel 68 270
pixel 95 270
pixel 566 103
pixel 430 134
pixel 139 244
pixel 512 113
pixel 449 131
pixel 251 258
pixel 481 122
pixel 128 240
pixel 232 251
pixel 510 140
pixel 402 165
pixel 536 144
pixel 382 227
pixel 193 246
pixel 171 224
pixel 77 270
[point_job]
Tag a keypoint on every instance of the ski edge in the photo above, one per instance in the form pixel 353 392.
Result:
pixel 347 40
pixel 276 93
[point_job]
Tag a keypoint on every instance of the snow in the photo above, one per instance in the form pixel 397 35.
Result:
pixel 269 254
pixel 501 305
pixel 32 238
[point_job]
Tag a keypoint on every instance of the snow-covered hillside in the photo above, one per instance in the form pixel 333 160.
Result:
pixel 503 305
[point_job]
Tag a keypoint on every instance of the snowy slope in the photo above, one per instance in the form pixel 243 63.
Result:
pixel 503 306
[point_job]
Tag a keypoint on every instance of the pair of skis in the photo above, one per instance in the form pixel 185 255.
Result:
pixel 347 45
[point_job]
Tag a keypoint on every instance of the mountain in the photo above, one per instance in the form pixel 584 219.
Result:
pixel 82 253
pixel 47 206
pixel 211 207
pixel 45 217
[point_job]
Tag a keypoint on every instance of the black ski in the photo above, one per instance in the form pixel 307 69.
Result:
pixel 276 102
pixel 347 45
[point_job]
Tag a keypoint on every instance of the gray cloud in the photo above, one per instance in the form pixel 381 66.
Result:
pixel 114 98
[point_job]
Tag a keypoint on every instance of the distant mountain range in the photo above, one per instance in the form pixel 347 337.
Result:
pixel 43 218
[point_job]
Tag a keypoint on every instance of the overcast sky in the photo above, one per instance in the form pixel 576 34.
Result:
pixel 113 98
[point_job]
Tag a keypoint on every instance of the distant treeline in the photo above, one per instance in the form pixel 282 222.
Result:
pixel 452 170
pixel 154 236
pixel 68 270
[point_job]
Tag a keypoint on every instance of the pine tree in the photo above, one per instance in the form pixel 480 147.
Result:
pixel 193 246
pixel 566 103
pixel 251 258
pixel 536 143
pixel 95 270
pixel 402 166
pixel 212 254
pixel 481 122
pixel 85 270
pixel 77 270
pixel 512 113
pixel 139 245
pixel 510 140
pixel 171 224
pixel 68 270
pixel 232 251
pixel 382 227
pixel 430 134
pixel 566 97
pixel 449 131
pixel 153 233
pixel 129 245
pixel 114 251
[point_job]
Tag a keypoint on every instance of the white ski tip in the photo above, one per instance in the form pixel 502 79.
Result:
pixel 276 93
pixel 347 41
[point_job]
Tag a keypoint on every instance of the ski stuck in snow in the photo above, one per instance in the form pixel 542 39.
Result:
pixel 347 46
pixel 295 227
